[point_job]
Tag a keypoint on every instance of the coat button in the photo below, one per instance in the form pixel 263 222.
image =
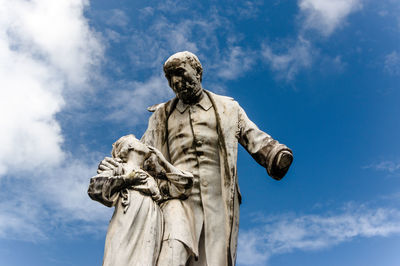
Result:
pixel 199 143
pixel 205 183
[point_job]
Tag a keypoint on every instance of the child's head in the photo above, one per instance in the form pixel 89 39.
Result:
pixel 124 146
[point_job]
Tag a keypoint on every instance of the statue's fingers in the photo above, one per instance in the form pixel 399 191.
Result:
pixel 150 148
pixel 111 161
pixel 142 174
pixel 106 164
pixel 105 167
pixel 111 165
pixel 103 171
pixel 100 175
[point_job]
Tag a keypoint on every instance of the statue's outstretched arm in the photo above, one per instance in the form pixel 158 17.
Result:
pixel 268 152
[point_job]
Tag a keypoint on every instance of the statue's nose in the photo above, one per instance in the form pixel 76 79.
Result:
pixel 175 80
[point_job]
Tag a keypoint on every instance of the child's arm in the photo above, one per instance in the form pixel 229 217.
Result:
pixel 104 188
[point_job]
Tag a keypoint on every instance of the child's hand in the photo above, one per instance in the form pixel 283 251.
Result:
pixel 137 176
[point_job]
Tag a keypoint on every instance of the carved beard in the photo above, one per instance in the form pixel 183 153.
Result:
pixel 190 92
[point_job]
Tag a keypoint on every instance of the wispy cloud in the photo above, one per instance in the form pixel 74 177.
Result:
pixel 286 233
pixel 164 35
pixel 246 9
pixel 392 63
pixel 323 16
pixel 386 166
pixel 117 17
pixel 289 62
pixel 130 102
pixel 53 197
pixel 236 63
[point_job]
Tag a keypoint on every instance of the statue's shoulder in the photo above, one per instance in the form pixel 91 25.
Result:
pixel 161 106
pixel 224 100
pixel 221 98
pixel 154 107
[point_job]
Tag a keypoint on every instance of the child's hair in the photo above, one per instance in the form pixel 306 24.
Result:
pixel 125 144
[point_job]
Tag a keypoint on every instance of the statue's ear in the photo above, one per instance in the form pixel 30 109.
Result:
pixel 198 76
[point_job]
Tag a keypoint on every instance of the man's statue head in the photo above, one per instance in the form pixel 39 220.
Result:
pixel 184 73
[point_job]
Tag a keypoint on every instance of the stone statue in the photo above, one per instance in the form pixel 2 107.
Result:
pixel 136 186
pixel 198 132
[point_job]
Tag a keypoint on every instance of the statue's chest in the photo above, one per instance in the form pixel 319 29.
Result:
pixel 192 134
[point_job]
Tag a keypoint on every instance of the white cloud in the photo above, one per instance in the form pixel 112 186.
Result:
pixel 287 233
pixel 48 57
pixel 46 50
pixel 31 96
pixel 326 16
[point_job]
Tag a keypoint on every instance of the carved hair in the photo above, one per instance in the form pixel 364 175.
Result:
pixel 185 56
pixel 125 144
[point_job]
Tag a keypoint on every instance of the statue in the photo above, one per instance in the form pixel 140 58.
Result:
pixel 197 132
pixel 136 186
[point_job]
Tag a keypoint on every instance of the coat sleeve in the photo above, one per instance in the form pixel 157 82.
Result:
pixel 261 146
pixel 106 189
pixel 177 186
pixel 150 135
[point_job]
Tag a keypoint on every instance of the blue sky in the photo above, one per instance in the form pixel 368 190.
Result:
pixel 320 76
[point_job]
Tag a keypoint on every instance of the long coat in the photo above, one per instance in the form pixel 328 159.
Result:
pixel 233 126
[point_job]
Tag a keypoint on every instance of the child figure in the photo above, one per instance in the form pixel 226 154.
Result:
pixel 143 180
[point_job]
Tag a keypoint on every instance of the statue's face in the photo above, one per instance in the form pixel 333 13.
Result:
pixel 184 81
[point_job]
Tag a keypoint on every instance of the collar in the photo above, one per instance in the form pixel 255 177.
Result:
pixel 204 103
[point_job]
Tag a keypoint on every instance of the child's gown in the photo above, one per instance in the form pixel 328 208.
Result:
pixel 135 232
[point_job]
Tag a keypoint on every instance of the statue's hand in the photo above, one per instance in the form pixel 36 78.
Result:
pixel 135 177
pixel 160 157
pixel 145 183
pixel 156 164
pixel 283 161
pixel 109 164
